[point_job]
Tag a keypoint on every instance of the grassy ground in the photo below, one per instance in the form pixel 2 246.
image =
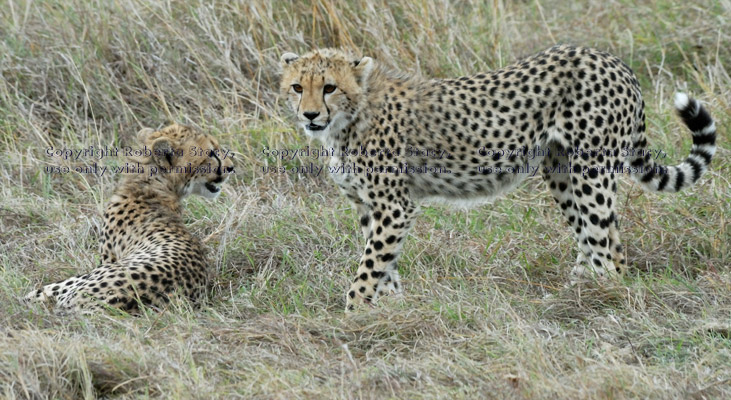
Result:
pixel 487 312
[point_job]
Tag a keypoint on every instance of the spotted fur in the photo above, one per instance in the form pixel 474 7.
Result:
pixel 574 114
pixel 147 253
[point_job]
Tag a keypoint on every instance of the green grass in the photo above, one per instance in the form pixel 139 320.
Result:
pixel 487 311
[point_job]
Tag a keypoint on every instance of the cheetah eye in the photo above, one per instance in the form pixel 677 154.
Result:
pixel 329 88
pixel 297 88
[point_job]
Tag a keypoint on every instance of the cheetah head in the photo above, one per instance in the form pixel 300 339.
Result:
pixel 186 160
pixel 325 88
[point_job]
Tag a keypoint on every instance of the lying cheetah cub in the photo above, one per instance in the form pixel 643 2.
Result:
pixel 147 253
pixel 574 114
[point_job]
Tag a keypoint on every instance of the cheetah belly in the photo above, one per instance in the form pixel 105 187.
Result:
pixel 474 184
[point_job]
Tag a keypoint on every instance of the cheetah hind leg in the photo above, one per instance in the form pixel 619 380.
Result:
pixel 562 190
pixel 595 194
pixel 598 246
pixel 616 268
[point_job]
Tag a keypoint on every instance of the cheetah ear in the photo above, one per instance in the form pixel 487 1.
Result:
pixel 289 58
pixel 163 153
pixel 143 134
pixel 363 68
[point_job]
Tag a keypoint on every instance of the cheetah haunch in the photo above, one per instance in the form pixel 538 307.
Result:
pixel 147 253
pixel 576 114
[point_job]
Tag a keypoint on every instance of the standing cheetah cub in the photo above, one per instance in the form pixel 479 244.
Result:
pixel 147 253
pixel 574 114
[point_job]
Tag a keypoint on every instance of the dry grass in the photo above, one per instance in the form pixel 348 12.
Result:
pixel 486 313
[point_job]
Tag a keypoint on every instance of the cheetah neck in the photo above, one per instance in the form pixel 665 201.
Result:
pixel 347 131
pixel 155 191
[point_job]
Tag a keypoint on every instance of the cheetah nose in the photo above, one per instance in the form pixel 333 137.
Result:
pixel 311 115
pixel 229 169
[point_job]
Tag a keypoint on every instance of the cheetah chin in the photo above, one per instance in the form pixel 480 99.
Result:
pixel 313 127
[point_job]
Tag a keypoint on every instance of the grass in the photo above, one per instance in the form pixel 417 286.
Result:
pixel 487 312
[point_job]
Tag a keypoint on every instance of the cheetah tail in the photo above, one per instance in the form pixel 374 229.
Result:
pixel 660 178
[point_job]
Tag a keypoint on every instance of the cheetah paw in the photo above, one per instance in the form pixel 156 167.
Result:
pixel 583 273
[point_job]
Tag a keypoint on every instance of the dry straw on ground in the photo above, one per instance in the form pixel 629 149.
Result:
pixel 486 313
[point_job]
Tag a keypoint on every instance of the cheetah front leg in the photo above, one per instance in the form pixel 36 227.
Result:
pixel 364 218
pixel 362 209
pixel 377 274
